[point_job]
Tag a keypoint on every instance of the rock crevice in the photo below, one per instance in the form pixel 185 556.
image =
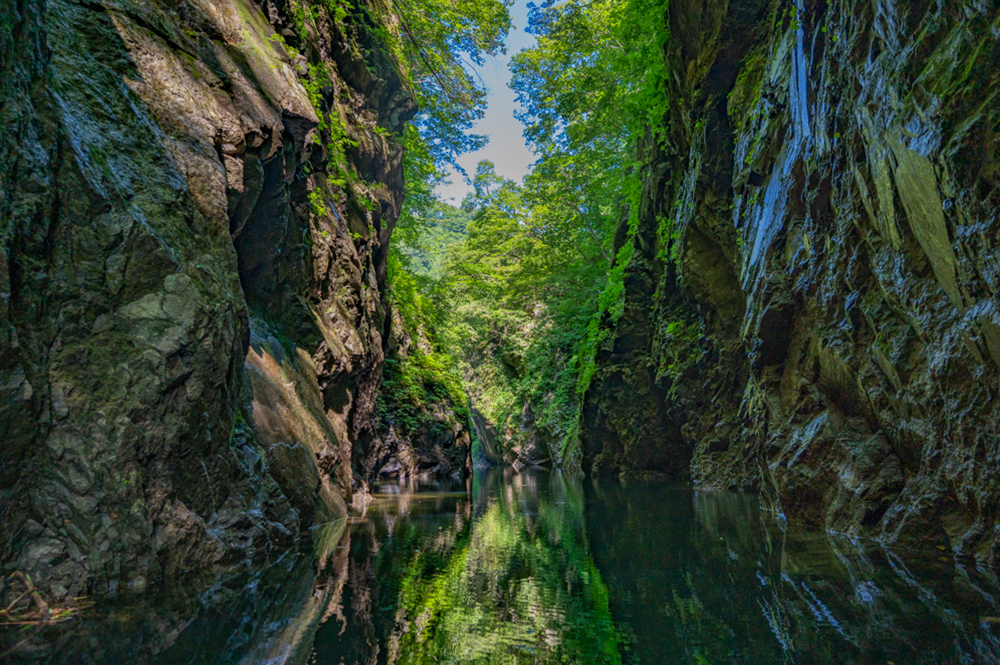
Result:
pixel 819 321
pixel 192 314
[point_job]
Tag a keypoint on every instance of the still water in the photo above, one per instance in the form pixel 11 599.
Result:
pixel 541 568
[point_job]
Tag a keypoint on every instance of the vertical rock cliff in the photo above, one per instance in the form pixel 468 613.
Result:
pixel 423 421
pixel 196 200
pixel 811 308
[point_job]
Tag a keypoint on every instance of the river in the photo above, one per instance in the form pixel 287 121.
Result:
pixel 543 568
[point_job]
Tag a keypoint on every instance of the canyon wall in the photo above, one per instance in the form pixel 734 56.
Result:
pixel 811 308
pixel 196 200
pixel 423 423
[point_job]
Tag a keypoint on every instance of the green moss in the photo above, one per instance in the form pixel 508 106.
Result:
pixel 610 306
pixel 747 89
pixel 238 429
pixel 426 379
pixel 192 64
pixel 680 350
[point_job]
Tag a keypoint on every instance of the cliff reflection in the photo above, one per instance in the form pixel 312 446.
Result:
pixel 538 568
pixel 708 578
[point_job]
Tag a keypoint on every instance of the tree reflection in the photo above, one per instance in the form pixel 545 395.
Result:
pixel 513 583
pixel 538 568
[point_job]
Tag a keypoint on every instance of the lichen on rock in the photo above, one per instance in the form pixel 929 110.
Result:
pixel 835 167
pixel 166 170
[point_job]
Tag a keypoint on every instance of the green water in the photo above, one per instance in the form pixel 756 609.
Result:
pixel 539 568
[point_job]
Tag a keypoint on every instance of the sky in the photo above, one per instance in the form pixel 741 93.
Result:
pixel 506 148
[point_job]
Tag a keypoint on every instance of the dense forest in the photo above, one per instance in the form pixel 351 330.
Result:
pixel 522 276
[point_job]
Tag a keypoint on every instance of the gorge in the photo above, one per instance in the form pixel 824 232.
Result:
pixel 748 293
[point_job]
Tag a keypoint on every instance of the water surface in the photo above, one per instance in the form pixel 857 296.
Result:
pixel 541 568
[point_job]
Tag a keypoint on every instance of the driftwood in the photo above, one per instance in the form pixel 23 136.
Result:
pixel 29 608
pixel 42 608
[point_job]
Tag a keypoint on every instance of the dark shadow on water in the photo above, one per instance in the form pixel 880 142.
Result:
pixel 707 577
pixel 541 568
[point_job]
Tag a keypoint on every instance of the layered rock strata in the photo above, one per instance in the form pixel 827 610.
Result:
pixel 196 200
pixel 811 309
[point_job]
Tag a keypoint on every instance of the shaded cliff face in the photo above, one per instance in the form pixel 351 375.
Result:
pixel 423 429
pixel 195 203
pixel 811 310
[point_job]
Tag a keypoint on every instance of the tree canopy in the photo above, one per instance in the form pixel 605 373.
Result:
pixel 524 290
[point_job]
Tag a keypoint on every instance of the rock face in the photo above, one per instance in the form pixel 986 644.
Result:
pixel 423 437
pixel 520 442
pixel 811 310
pixel 196 200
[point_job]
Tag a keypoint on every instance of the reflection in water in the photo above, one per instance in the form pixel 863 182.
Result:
pixel 538 568
pixel 705 577
pixel 267 616
pixel 503 578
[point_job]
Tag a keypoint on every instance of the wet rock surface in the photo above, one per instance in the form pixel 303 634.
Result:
pixel 811 307
pixel 417 441
pixel 192 321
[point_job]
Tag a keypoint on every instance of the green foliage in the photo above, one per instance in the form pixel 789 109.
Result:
pixel 591 88
pixel 442 230
pixel 423 378
pixel 611 304
pixel 526 283
pixel 518 291
pixel 596 77
pixel 422 173
pixel 435 41
pixel 316 203
pixel 332 126
pixel 535 287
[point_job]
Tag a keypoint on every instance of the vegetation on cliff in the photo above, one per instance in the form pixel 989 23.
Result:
pixel 435 42
pixel 539 269
pixel 418 374
pixel 758 250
